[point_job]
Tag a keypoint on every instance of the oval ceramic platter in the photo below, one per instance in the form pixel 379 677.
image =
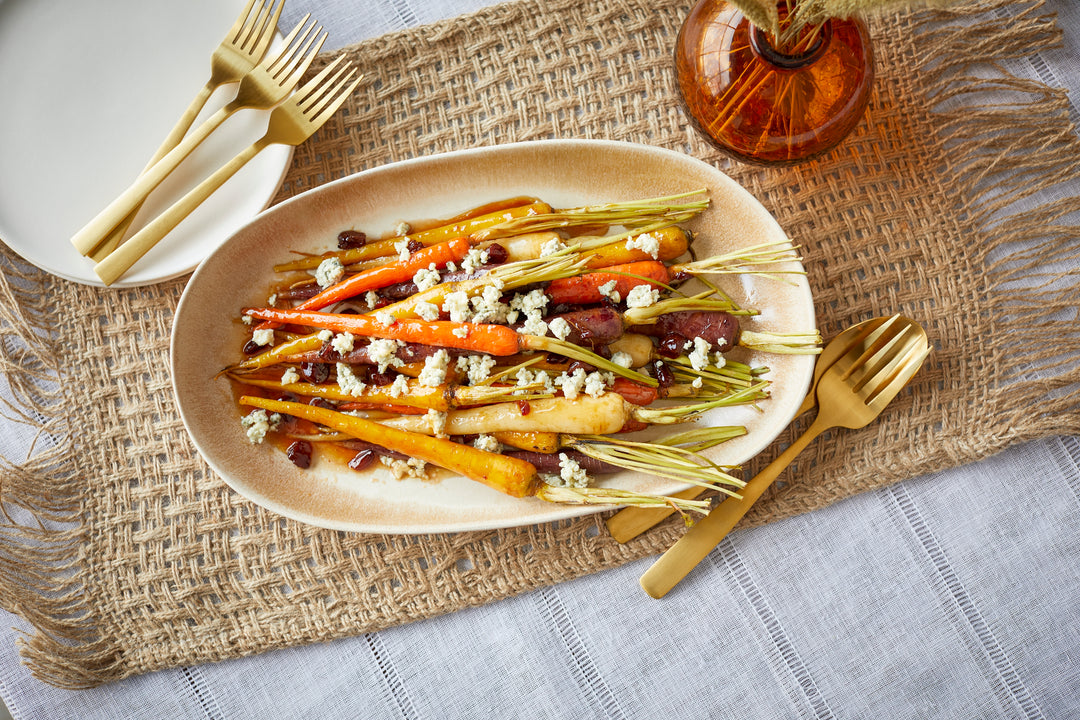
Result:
pixel 207 335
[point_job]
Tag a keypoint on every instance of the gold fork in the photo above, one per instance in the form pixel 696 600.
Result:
pixel 263 87
pixel 851 393
pixel 291 123
pixel 237 55
pixel 630 522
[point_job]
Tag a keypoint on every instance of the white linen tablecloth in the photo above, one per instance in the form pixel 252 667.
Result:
pixel 954 595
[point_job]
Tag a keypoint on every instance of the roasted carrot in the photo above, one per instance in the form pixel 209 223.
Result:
pixel 382 248
pixel 479 337
pixel 440 397
pixel 439 255
pixel 497 340
pixel 671 242
pixel 585 289
pixel 514 477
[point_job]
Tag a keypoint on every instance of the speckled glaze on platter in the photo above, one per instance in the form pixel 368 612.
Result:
pixel 207 334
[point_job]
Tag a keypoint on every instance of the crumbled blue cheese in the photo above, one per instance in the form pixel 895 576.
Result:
pixel 399 387
pixel 608 290
pixel 571 473
pixel 247 319
pixel 461 332
pixel 290 376
pixel 571 385
pixel 646 242
pixel 329 272
pixel 488 306
pixel 559 328
pixel 623 359
pixel 534 324
pixel 698 382
pixel 402 228
pixel 597 383
pixel 383 352
pixel 258 423
pixel 642 296
pixel 402 247
pixel 402 469
pixel 343 343
pixel 372 299
pixel 551 247
pixel 272 300
pixel 699 356
pixel 263 336
pixel 437 420
pixel 456 304
pixel 325 335
pixel 385 318
pixel 476 368
pixel 474 259
pixel 348 382
pixel 719 360
pixel 527 381
pixel 427 278
pixel 434 372
pixel 487 443
pixel 427 311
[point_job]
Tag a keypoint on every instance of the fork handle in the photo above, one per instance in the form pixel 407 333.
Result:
pixel 691 548
pixel 91 235
pixel 120 260
pixel 630 522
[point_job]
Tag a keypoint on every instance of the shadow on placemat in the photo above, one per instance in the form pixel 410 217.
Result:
pixel 145 560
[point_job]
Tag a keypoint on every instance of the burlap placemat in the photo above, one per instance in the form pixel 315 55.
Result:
pixel 128 555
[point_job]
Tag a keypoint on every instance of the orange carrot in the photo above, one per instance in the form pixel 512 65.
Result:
pixel 478 337
pixel 671 243
pixel 382 248
pixel 585 289
pixel 380 277
pixel 506 474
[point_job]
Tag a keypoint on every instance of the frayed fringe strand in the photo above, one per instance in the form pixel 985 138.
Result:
pixel 42 529
pixel 1009 152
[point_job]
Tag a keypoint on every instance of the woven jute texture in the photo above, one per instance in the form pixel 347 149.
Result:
pixel 127 554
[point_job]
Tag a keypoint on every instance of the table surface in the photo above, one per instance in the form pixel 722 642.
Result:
pixel 951 595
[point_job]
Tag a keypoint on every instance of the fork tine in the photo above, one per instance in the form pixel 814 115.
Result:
pixel 863 372
pixel 294 47
pixel 334 99
pixel 241 22
pixel 872 342
pixel 286 45
pixel 298 65
pixel 316 82
pixel 903 373
pixel 263 32
pixel 322 90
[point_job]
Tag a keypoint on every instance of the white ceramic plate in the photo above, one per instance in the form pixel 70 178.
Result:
pixel 207 335
pixel 90 90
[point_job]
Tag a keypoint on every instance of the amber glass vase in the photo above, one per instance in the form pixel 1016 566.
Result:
pixel 766 104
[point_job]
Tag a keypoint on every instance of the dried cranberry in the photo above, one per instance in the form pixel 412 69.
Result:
pixel 497 254
pixel 672 345
pixel 381 379
pixel 414 245
pixel 300 453
pixel 554 359
pixel 524 407
pixel 363 460
pixel 252 348
pixel 348 239
pixel 578 365
pixel 664 376
pixel 321 402
pixel 315 372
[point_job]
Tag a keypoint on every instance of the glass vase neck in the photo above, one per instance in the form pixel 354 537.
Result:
pixel 794 55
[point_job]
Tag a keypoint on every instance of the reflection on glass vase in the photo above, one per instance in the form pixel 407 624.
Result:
pixel 768 105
